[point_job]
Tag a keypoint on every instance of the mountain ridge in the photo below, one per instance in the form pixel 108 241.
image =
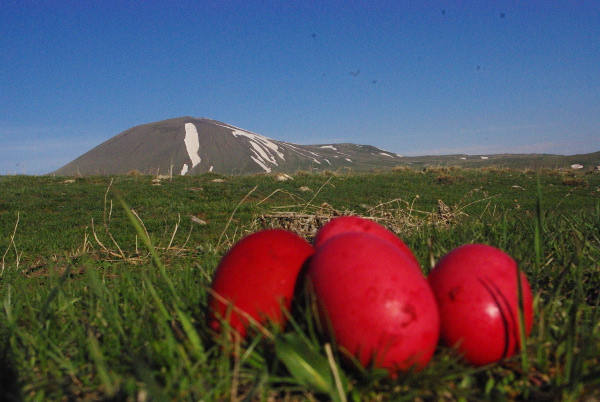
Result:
pixel 189 146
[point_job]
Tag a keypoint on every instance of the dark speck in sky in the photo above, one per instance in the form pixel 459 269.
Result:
pixel 502 15
pixel 355 73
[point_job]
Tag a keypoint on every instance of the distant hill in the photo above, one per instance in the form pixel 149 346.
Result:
pixel 516 161
pixel 188 146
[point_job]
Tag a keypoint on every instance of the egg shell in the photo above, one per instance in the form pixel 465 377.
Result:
pixel 257 277
pixel 344 224
pixel 375 301
pixel 477 293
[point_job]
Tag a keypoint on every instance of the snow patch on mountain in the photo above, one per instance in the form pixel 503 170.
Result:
pixel 261 153
pixel 265 151
pixel 384 154
pixel 260 141
pixel 192 145
pixel 303 152
pixel 330 147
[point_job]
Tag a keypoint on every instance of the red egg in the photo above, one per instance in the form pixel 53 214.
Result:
pixel 345 224
pixel 256 279
pixel 477 293
pixel 375 301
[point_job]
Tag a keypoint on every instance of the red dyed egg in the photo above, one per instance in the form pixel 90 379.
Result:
pixel 375 301
pixel 256 279
pixel 477 293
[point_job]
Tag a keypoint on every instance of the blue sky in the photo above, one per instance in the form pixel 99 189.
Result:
pixel 414 78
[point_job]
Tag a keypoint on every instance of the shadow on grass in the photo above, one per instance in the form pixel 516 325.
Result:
pixel 9 378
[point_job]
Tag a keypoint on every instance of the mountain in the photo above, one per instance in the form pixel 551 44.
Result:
pixel 188 146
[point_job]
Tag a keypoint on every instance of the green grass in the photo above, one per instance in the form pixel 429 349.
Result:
pixel 92 312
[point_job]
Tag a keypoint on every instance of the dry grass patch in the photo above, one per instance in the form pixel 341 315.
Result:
pixel 440 169
pixel 446 179
pixel 550 172
pixel 574 182
pixel 398 215
pixel 403 168
pixel 497 169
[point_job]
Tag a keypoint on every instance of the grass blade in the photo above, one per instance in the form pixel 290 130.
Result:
pixel 100 364
pixel 537 239
pixel 191 333
pixel 307 366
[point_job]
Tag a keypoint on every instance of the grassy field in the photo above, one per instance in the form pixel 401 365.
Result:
pixel 89 312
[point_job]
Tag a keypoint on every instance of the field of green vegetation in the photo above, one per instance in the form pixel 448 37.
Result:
pixel 92 310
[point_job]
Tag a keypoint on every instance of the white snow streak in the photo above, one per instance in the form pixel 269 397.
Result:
pixel 260 163
pixel 330 147
pixel 302 152
pixel 384 154
pixel 192 145
pixel 264 150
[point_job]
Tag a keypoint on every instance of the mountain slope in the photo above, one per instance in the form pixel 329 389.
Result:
pixel 187 146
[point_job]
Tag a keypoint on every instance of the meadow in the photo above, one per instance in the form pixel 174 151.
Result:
pixel 103 283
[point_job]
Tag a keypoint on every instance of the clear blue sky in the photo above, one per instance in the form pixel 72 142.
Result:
pixel 414 78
